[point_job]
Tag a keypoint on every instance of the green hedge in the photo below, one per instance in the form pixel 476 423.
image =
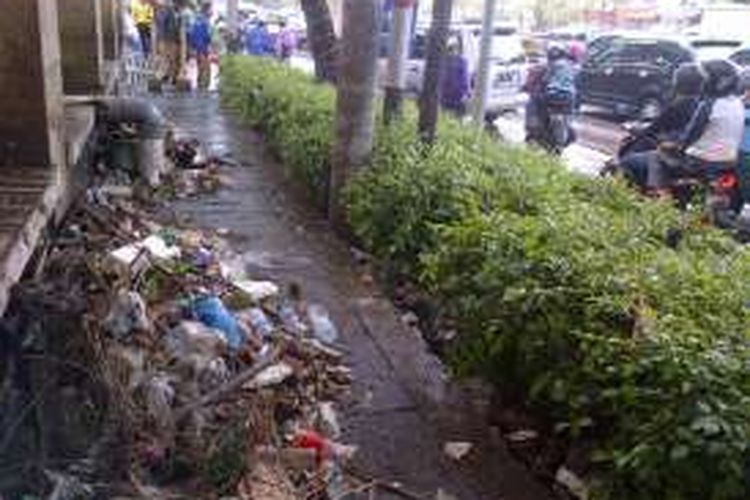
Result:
pixel 564 290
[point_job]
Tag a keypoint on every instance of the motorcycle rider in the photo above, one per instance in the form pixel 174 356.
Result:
pixel 744 163
pixel 548 86
pixel 639 149
pixel 711 141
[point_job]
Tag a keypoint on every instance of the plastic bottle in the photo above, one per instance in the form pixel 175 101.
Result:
pixel 260 322
pixel 322 325
pixel 290 319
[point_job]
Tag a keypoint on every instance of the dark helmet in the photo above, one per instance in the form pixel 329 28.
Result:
pixel 689 80
pixel 745 80
pixel 722 78
pixel 556 52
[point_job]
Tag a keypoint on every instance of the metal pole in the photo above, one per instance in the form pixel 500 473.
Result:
pixel 232 16
pixel 399 53
pixel 483 72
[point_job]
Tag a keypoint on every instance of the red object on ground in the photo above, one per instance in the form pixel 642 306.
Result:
pixel 314 441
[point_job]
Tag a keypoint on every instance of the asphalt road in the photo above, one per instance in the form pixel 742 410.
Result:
pixel 598 138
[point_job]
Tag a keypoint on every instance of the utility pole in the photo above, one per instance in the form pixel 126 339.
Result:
pixel 483 73
pixel 232 16
pixel 399 53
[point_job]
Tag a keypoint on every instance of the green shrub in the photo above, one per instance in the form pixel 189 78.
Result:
pixel 563 287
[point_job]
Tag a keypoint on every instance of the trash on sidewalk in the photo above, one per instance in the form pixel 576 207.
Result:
pixel 180 377
pixel 127 314
pixel 572 483
pixel 258 291
pixel 273 375
pixel 328 420
pixel 522 436
pixel 194 341
pixel 132 256
pixel 212 312
pixel 325 449
pixel 457 450
pixel 322 325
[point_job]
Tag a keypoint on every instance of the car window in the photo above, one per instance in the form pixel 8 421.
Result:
pixel 506 48
pixel 419 46
pixel 714 48
pixel 660 54
pixel 672 54
pixel 742 57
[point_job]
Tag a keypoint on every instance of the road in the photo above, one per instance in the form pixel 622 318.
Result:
pixel 598 139
pixel 598 135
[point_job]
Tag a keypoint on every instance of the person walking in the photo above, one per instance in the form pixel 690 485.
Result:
pixel 143 15
pixel 455 85
pixel 168 36
pixel 200 45
pixel 286 42
pixel 258 40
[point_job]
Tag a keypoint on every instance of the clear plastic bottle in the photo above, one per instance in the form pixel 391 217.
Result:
pixel 322 325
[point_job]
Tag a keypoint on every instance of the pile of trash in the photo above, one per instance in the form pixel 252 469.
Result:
pixel 195 172
pixel 199 379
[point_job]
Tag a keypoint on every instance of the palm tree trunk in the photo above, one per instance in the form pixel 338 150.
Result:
pixel 429 100
pixel 397 57
pixel 322 38
pixel 355 104
pixel 481 89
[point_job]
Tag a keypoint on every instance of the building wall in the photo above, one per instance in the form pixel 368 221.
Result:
pixel 82 45
pixel 30 103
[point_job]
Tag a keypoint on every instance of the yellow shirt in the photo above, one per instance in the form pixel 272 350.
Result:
pixel 142 12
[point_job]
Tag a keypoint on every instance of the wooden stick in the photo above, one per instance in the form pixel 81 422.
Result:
pixel 231 386
pixel 384 485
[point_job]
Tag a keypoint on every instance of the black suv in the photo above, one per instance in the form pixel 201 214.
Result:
pixel 632 76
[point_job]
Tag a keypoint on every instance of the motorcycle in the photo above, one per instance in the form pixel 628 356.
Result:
pixel 551 128
pixel 717 187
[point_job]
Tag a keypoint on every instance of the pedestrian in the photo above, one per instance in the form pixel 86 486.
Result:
pixel 200 45
pixel 168 36
pixel 258 40
pixel 744 163
pixel 286 42
pixel 143 15
pixel 455 85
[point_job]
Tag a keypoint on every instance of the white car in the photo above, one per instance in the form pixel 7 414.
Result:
pixel 508 66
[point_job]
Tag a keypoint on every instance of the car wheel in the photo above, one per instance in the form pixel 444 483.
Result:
pixel 650 109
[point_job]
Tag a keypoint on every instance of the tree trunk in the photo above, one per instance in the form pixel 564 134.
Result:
pixel 355 103
pixel 397 57
pixel 429 100
pixel 322 38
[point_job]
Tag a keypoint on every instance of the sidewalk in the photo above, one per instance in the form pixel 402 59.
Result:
pixel 402 409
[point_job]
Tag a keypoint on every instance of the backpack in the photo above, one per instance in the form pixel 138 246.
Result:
pixel 560 84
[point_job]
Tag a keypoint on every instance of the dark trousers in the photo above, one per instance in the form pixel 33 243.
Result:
pixel 636 165
pixel 144 30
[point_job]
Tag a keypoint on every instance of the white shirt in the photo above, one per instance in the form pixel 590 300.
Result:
pixel 720 142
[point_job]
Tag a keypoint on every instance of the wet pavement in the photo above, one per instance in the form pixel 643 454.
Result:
pixel 598 140
pixel 403 409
